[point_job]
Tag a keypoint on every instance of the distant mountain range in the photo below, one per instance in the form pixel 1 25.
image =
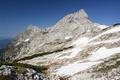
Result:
pixel 4 41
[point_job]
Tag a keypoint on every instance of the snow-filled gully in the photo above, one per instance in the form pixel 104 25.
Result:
pixel 96 57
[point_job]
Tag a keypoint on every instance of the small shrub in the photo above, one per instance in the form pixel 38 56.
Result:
pixel 23 65
pixel 4 77
pixel 20 70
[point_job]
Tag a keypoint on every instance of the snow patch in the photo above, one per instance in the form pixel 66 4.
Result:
pixel 17 43
pixel 81 41
pixel 88 30
pixel 103 53
pixel 116 29
pixel 26 40
pixel 68 37
pixel 85 40
pixel 100 26
pixel 73 52
pixel 75 67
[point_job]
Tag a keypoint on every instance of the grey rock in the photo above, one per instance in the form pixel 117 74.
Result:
pixel 36 41
pixel 10 71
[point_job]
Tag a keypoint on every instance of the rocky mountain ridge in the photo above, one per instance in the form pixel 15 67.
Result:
pixel 73 48
pixel 52 38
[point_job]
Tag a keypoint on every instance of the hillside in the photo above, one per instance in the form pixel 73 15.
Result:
pixel 75 48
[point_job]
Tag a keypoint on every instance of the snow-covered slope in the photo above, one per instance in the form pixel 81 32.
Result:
pixel 101 26
pixel 86 53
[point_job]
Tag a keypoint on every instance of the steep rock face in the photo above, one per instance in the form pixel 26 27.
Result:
pixel 36 41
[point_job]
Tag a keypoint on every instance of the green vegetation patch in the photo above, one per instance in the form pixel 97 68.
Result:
pixel 4 77
pixel 22 65
pixel 20 70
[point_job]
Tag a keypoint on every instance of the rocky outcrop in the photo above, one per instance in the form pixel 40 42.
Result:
pixel 19 73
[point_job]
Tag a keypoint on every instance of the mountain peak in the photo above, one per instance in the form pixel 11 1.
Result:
pixel 79 16
pixel 81 13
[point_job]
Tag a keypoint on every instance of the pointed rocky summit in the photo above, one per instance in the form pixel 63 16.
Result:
pixel 81 14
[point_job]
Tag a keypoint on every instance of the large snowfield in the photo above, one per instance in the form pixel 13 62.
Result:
pixel 96 57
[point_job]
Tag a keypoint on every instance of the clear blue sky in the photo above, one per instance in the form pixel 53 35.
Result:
pixel 16 15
